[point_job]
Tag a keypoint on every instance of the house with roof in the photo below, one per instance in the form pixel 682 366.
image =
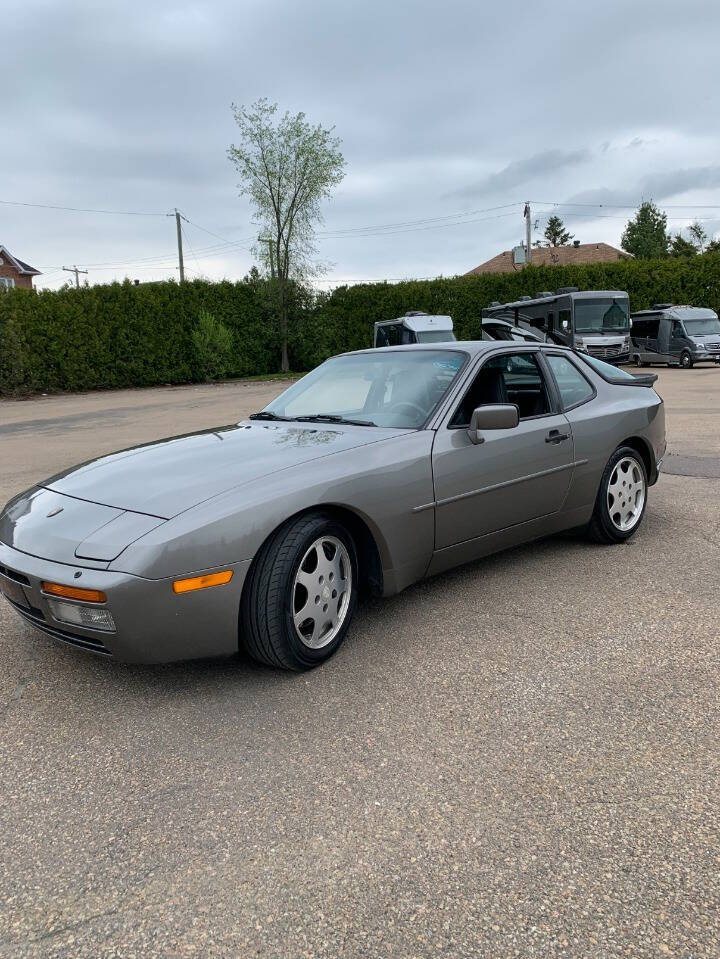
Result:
pixel 15 272
pixel 575 255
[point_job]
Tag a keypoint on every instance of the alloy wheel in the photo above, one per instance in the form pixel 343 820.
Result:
pixel 321 592
pixel 626 494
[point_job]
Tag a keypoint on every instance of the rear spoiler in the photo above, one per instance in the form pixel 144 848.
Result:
pixel 641 379
pixel 632 379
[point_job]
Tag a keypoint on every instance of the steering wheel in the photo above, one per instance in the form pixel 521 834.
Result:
pixel 414 408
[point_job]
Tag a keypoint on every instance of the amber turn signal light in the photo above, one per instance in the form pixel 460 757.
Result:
pixel 202 582
pixel 74 592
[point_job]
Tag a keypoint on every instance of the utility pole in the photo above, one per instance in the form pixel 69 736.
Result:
pixel 179 239
pixel 528 232
pixel 74 269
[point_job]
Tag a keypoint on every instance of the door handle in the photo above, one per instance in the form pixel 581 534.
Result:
pixel 555 436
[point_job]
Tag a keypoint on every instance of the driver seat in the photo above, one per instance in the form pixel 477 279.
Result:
pixel 490 388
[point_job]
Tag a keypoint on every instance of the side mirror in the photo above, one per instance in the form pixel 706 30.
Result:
pixel 495 416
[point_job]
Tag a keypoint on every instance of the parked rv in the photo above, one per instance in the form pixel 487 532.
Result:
pixel 676 335
pixel 417 327
pixel 596 321
pixel 414 327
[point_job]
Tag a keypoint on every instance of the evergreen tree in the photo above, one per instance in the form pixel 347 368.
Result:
pixel 555 232
pixel 679 246
pixel 646 235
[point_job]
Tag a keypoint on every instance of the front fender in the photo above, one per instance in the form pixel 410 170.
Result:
pixel 383 483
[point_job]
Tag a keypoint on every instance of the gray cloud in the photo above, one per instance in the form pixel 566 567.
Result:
pixel 520 172
pixel 437 109
pixel 674 182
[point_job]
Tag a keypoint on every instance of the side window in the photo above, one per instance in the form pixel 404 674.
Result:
pixel 381 338
pixel 573 386
pixel 564 317
pixel 510 378
pixel 677 329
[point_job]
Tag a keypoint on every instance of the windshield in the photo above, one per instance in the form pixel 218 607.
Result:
pixel 700 327
pixel 394 389
pixel 602 316
pixel 435 336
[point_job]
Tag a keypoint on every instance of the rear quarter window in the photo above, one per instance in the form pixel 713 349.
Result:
pixel 573 386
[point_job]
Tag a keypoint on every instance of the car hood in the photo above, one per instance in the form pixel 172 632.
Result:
pixel 167 477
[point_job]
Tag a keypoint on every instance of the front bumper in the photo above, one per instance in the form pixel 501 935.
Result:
pixel 616 359
pixel 153 624
pixel 705 356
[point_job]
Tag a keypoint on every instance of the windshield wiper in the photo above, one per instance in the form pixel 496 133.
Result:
pixel 267 415
pixel 331 418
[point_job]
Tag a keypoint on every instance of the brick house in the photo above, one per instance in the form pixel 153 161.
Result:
pixel 14 272
pixel 578 253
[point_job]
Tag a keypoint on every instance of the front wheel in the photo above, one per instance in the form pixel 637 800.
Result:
pixel 638 361
pixel 686 361
pixel 621 499
pixel 301 594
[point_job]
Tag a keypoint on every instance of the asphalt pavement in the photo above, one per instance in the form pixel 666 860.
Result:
pixel 517 758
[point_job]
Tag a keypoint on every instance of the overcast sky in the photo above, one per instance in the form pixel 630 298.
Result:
pixel 443 109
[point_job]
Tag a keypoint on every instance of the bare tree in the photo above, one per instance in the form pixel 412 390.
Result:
pixel 288 168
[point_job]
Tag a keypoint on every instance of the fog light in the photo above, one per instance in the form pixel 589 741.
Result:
pixel 90 617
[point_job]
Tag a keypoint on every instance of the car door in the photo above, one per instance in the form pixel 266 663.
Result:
pixel 515 475
pixel 678 339
pixel 664 340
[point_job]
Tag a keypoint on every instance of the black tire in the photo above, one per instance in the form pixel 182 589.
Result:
pixel 601 528
pixel 638 361
pixel 267 629
pixel 686 361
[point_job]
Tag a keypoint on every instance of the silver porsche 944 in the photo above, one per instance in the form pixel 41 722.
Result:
pixel 373 471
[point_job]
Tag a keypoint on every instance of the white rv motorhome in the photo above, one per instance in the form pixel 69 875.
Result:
pixel 414 327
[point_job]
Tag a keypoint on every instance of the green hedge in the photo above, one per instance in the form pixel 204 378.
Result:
pixel 124 335
pixel 344 320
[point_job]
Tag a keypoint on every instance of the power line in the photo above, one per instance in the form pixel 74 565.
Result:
pixel 633 206
pixel 412 223
pixel 72 209
pixel 610 216
pixel 419 229
pixel 192 251
pixel 216 235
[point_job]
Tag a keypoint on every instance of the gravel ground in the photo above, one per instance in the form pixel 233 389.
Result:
pixel 517 758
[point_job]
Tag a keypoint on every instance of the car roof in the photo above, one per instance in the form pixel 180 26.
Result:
pixel 551 297
pixel 466 346
pixel 679 312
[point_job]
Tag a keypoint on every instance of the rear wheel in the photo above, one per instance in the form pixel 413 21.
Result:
pixel 638 361
pixel 686 361
pixel 621 499
pixel 301 594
